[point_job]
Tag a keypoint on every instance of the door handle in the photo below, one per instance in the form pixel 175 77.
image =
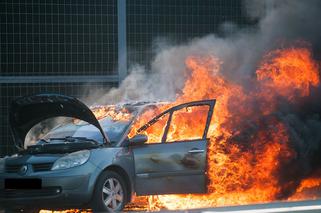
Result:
pixel 194 151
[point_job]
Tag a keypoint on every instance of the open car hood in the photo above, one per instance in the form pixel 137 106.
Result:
pixel 25 112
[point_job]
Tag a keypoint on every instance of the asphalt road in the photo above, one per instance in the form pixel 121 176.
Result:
pixel 275 207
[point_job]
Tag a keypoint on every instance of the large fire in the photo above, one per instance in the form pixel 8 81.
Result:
pixel 249 144
pixel 250 154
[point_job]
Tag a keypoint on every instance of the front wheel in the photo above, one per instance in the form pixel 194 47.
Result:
pixel 110 193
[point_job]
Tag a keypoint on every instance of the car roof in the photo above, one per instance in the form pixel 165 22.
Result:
pixel 132 106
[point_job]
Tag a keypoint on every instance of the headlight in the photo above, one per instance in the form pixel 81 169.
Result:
pixel 72 160
pixel 2 160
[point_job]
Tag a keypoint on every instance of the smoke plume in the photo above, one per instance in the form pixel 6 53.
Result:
pixel 280 24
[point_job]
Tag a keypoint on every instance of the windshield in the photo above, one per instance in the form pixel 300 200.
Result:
pixel 113 119
pixel 114 130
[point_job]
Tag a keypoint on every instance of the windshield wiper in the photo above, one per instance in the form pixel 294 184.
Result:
pixel 63 145
pixel 43 141
pixel 74 139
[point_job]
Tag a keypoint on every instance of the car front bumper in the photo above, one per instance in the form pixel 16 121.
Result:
pixel 68 188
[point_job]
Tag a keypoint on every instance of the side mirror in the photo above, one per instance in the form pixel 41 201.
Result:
pixel 139 139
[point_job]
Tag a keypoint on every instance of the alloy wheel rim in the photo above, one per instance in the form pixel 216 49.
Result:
pixel 112 194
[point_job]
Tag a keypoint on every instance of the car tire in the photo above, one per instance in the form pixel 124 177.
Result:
pixel 110 194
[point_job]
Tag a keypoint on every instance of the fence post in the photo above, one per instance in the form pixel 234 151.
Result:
pixel 122 40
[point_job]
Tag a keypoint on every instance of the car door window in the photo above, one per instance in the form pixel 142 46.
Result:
pixel 154 129
pixel 188 123
pixel 155 132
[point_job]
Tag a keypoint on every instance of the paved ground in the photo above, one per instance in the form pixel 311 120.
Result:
pixel 284 207
pixel 276 207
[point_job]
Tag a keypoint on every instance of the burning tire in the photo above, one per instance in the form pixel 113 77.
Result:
pixel 110 193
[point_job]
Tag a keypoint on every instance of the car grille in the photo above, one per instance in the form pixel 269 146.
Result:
pixel 41 167
pixel 12 168
pixel 16 193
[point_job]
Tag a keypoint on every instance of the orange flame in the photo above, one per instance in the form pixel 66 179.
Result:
pixel 289 71
pixel 239 175
pixel 116 114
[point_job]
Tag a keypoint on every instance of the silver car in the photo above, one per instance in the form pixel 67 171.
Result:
pixel 93 163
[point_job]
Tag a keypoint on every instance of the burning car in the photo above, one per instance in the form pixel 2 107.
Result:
pixel 100 160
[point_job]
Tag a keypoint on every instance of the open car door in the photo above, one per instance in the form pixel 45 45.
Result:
pixel 174 159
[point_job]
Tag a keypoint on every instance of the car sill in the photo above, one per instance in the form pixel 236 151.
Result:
pixel 166 174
